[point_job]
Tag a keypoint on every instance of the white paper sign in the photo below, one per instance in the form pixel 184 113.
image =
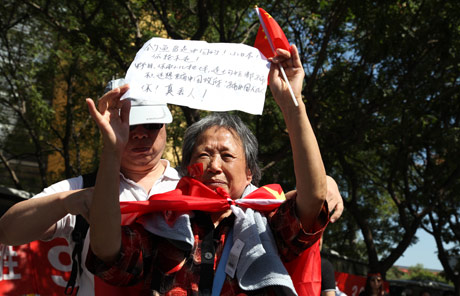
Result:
pixel 200 75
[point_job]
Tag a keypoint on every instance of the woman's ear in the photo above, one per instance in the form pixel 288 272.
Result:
pixel 248 175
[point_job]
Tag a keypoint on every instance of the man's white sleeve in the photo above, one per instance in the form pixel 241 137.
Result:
pixel 64 226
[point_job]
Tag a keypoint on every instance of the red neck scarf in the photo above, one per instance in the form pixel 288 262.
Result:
pixel 190 194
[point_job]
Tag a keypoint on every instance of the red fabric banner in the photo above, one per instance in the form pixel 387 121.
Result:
pixel 305 271
pixel 191 195
pixel 273 32
pixel 352 284
pixel 35 268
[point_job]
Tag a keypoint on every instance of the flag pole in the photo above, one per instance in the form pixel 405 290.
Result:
pixel 273 49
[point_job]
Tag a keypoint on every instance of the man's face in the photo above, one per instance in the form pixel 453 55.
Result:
pixel 224 162
pixel 144 148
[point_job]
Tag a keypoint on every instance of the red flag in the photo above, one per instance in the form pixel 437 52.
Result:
pixel 190 194
pixel 269 33
pixel 36 268
pixel 305 271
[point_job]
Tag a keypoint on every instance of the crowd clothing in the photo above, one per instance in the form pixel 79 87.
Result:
pixel 364 293
pixel 176 267
pixel 129 191
pixel 338 292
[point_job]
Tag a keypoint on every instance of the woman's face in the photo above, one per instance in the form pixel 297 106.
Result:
pixel 375 282
pixel 224 162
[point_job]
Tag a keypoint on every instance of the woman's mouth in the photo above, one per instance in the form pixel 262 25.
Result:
pixel 214 183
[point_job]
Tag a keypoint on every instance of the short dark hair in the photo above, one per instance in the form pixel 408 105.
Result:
pixel 232 123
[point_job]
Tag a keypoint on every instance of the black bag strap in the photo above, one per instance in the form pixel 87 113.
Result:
pixel 78 236
pixel 208 253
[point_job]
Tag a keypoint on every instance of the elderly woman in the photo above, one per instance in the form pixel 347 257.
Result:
pixel 225 152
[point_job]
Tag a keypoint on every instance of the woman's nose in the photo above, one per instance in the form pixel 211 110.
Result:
pixel 215 164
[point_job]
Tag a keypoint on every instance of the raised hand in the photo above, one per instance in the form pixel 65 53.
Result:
pixel 292 65
pixel 112 117
pixel 308 166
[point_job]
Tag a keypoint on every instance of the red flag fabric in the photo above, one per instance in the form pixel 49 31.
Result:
pixel 36 268
pixel 190 194
pixel 352 284
pixel 273 32
pixel 305 271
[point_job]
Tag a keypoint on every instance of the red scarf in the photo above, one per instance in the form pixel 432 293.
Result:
pixel 190 194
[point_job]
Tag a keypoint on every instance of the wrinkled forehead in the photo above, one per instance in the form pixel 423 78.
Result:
pixel 210 131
